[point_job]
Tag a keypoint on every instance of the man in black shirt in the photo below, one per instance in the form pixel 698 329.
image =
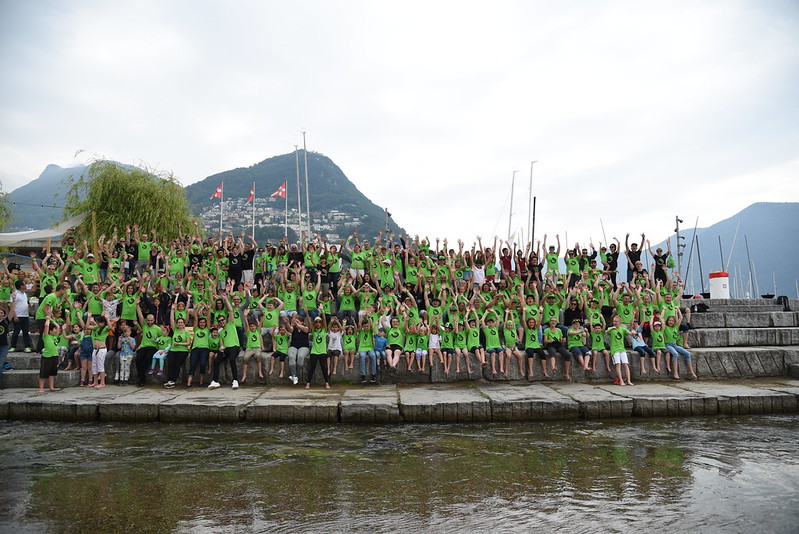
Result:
pixel 633 253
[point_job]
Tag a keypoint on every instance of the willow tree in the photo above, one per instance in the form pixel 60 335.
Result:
pixel 120 195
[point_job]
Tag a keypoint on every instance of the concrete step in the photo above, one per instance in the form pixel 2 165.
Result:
pixel 744 319
pixel 743 337
pixel 738 362
pixel 29 378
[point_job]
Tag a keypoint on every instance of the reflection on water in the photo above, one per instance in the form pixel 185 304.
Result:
pixel 712 474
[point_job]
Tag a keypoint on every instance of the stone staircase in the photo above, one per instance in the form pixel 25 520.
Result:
pixel 745 338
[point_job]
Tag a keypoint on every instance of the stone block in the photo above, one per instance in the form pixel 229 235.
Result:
pixel 370 405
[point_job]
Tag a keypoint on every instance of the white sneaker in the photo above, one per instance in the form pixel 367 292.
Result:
pixel 295 380
pixel 213 385
pixel 235 384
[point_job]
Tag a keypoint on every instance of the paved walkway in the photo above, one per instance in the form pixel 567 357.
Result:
pixel 428 403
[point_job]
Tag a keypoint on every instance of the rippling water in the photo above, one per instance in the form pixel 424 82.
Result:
pixel 700 475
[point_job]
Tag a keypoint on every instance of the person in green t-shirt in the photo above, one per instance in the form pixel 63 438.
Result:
pixel 318 338
pixel 553 341
pixel 231 346
pixel 617 334
pixel 48 365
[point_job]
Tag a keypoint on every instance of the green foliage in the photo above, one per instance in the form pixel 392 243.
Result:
pixel 121 195
pixel 5 209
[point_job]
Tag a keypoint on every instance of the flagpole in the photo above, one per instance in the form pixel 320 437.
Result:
pixel 307 194
pixel 253 211
pixel 221 206
pixel 299 196
pixel 286 221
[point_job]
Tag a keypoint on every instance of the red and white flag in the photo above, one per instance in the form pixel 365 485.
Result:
pixel 252 194
pixel 281 191
pixel 218 192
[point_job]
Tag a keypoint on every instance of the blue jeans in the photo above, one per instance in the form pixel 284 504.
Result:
pixel 372 356
pixel 3 356
pixel 675 350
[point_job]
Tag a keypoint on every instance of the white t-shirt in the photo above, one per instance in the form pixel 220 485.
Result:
pixel 434 341
pixel 334 340
pixel 20 300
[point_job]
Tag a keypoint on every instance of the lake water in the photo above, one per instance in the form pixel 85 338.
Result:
pixel 710 474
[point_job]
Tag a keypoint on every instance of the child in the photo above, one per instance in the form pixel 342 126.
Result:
pixel 48 365
pixel 553 340
pixel 381 343
pixel 334 344
pixel 598 345
pixel 366 349
pixel 640 346
pixel 617 335
pixel 348 347
pixel 512 343
pixel 99 336
pixel 422 341
pixel 159 358
pixel 447 347
pixel 86 349
pixel 280 348
pixel 532 348
pixel 434 344
pixel 253 346
pixel 409 348
pixel 673 336
pixel 126 346
pixel 659 342
pixel 493 344
pixel 576 344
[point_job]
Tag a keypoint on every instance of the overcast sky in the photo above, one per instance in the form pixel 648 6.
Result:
pixel 635 111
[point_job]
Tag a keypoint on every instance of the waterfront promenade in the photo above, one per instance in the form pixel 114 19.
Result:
pixel 463 402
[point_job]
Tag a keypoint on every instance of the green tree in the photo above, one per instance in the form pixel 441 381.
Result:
pixel 5 209
pixel 120 195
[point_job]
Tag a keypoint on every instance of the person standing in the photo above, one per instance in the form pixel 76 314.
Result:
pixel 20 310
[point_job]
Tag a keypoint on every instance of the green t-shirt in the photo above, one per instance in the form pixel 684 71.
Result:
pixel 553 335
pixel 49 300
pixel 365 340
pixel 492 337
pixel 200 340
pixel 50 346
pixel 617 335
pixel 531 339
pixel 179 337
pixel 348 342
pixel 253 339
pixel 229 336
pixel 319 341
pixel 149 336
pixel 658 339
pixel 281 343
pixel 597 340
pixel 574 338
pixel 552 262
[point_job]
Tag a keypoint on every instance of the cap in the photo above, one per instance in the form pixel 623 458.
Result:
pixel 90 255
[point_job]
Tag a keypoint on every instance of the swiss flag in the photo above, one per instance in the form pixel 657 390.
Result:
pixel 252 194
pixel 281 191
pixel 218 192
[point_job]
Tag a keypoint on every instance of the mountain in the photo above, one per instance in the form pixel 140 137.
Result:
pixel 32 203
pixel 769 228
pixel 330 191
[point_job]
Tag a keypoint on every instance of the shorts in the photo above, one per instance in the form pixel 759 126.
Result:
pixel 620 357
pixel 98 361
pixel 86 355
pixel 279 355
pixel 250 354
pixel 475 349
pixel 683 328
pixel 334 353
pixel 395 347
pixel 495 350
pixel 48 367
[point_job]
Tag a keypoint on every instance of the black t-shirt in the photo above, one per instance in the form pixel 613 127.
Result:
pixel 613 260
pixel 246 259
pixel 299 338
pixel 4 324
pixel 634 256
pixel 234 264
pixel 132 250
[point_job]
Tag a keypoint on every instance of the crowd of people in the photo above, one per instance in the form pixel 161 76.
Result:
pixel 133 299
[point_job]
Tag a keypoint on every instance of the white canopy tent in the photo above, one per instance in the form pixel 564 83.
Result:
pixel 12 238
